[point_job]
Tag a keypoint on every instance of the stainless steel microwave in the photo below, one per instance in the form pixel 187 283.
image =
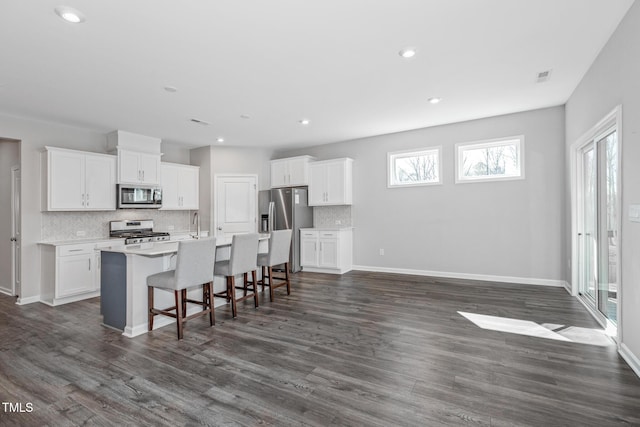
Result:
pixel 139 196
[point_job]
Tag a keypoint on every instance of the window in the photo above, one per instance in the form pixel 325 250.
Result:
pixel 410 168
pixel 499 159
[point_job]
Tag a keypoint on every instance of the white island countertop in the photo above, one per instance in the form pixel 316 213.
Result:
pixel 167 247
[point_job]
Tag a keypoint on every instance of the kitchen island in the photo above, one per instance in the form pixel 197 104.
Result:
pixel 123 287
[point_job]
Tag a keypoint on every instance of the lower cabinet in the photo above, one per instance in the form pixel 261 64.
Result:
pixel 71 272
pixel 326 250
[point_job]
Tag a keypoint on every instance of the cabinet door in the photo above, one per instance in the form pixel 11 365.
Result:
pixel 335 183
pixel 128 168
pixel 299 171
pixel 279 173
pixel 317 185
pixel 149 165
pixel 309 252
pixel 66 180
pixel 170 189
pixel 100 182
pixel 328 256
pixel 188 185
pixel 75 275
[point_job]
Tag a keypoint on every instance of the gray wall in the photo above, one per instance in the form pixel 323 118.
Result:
pixel 614 79
pixel 218 159
pixel 8 157
pixel 511 229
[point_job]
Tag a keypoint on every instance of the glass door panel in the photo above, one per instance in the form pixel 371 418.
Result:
pixel 607 291
pixel 589 215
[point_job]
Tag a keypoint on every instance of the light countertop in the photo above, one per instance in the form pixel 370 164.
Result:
pixel 166 247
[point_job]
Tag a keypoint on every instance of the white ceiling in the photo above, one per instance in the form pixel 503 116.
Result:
pixel 334 62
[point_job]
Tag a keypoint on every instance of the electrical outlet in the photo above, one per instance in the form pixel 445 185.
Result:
pixel 81 233
pixel 381 251
pixel 170 227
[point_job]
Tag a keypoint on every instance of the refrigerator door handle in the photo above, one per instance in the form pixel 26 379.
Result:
pixel 272 206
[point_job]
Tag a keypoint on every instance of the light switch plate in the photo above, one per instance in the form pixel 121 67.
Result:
pixel 634 213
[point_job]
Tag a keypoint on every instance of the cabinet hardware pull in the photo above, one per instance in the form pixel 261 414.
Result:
pixel 75 250
pixel 89 264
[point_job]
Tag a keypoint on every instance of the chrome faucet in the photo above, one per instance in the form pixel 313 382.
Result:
pixel 196 220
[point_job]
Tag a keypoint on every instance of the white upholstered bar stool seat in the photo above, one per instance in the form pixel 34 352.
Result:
pixel 194 267
pixel 242 260
pixel 279 249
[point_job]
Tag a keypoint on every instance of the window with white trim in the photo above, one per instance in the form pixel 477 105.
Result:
pixel 498 159
pixel 414 167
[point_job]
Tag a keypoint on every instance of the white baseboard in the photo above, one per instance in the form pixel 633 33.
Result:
pixel 630 358
pixel 28 300
pixel 468 276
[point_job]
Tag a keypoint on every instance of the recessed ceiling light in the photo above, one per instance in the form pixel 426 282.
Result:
pixel 220 140
pixel 408 52
pixel 171 89
pixel 305 122
pixel 434 100
pixel 70 14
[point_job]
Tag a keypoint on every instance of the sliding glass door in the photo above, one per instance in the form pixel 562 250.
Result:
pixel 598 168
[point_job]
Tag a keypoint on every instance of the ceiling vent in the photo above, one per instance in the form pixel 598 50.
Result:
pixel 543 76
pixel 200 122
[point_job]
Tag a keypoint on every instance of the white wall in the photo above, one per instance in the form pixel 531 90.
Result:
pixel 8 157
pixel 614 79
pixel 511 229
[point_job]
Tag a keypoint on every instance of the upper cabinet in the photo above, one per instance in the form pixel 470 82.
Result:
pixel 138 157
pixel 290 172
pixel 138 168
pixel 331 182
pixel 180 184
pixel 77 180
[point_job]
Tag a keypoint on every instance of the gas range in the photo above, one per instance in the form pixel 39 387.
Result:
pixel 136 231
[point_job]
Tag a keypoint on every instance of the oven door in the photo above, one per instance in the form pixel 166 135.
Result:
pixel 136 197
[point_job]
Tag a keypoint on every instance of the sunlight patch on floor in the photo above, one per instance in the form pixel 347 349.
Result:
pixel 546 330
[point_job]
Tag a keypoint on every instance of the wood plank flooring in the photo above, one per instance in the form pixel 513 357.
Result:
pixel 362 349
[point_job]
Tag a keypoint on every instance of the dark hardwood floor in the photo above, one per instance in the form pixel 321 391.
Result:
pixel 361 349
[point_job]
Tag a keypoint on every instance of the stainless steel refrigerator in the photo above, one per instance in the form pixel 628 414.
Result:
pixel 286 209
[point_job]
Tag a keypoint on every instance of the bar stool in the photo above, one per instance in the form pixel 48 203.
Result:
pixel 194 266
pixel 279 248
pixel 243 259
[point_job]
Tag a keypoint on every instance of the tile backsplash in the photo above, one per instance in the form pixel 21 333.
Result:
pixel 331 216
pixel 66 225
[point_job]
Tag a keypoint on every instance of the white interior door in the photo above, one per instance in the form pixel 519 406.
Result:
pixel 15 229
pixel 236 197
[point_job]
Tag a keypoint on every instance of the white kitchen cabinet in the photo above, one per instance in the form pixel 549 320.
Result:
pixel 76 274
pixel 309 248
pixel 326 250
pixel 290 172
pixel 180 186
pixel 331 182
pixel 138 168
pixel 77 180
pixel 71 272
